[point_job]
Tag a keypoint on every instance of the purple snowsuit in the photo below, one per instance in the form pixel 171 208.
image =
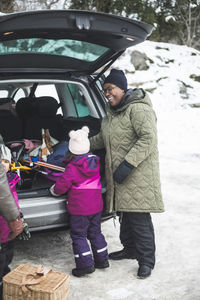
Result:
pixel 81 180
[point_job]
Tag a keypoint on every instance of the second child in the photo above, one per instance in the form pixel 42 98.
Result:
pixel 7 245
pixel 81 182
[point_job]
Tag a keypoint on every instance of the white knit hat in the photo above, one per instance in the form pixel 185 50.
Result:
pixel 79 142
pixel 5 153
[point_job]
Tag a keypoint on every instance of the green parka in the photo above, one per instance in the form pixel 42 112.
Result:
pixel 129 132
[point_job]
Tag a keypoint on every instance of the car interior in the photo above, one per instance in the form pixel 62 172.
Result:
pixel 28 107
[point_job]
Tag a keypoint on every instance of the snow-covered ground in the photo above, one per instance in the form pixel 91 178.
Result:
pixel 176 274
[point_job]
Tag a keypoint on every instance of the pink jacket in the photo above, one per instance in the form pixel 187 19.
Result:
pixel 81 181
pixel 4 229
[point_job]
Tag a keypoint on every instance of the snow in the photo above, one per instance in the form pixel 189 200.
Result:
pixel 177 230
pixel 178 129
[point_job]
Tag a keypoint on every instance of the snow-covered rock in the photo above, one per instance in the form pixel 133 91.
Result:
pixel 172 74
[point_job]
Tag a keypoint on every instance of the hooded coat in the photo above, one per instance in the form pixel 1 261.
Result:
pixel 81 182
pixel 129 132
pixel 8 208
pixel 4 228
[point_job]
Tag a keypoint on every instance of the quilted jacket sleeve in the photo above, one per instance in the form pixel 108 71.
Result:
pixel 8 207
pixel 144 123
pixel 96 142
pixel 64 183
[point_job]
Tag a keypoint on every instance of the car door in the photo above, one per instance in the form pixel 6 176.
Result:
pixel 65 40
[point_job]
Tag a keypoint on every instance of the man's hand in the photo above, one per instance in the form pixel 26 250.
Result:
pixel 16 227
pixel 25 235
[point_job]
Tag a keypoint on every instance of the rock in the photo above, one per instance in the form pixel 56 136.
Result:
pixel 139 60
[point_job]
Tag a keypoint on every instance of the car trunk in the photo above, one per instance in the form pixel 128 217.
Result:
pixel 37 181
pixel 38 206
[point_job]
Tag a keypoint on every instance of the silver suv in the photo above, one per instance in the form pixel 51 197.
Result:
pixel 51 69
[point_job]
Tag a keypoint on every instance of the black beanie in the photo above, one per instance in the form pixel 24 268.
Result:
pixel 118 78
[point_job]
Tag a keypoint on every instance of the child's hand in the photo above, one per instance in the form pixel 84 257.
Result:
pixel 51 190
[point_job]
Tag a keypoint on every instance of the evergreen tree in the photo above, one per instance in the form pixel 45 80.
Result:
pixel 166 30
pixel 80 4
pixel 174 21
pixel 103 6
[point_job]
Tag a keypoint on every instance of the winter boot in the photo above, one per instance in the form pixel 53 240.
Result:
pixel 102 265
pixel 143 272
pixel 122 254
pixel 81 272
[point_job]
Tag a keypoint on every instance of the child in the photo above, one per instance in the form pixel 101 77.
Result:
pixel 7 246
pixel 81 180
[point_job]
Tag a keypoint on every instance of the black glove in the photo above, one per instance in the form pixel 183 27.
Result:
pixel 25 235
pixel 122 171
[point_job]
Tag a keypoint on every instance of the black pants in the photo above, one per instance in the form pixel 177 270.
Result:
pixel 6 256
pixel 137 236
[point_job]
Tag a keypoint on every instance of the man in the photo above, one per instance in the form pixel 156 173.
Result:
pixel 9 211
pixel 8 207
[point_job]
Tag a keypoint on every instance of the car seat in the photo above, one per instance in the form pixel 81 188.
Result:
pixel 10 124
pixel 38 113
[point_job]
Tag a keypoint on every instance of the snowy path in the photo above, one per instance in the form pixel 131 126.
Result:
pixel 177 272
pixel 176 275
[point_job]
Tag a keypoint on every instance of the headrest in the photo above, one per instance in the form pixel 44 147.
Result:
pixel 48 106
pixel 6 106
pixel 26 107
pixel 6 100
pixel 41 106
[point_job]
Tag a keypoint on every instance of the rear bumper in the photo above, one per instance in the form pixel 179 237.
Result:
pixel 44 212
pixel 47 212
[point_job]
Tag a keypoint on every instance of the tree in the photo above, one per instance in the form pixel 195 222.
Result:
pixel 94 5
pixel 47 4
pixel 175 21
pixel 165 29
pixel 7 6
pixel 103 6
pixel 80 4
pixel 21 5
pixel 187 17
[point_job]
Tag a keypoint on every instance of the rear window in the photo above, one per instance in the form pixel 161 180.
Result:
pixel 62 47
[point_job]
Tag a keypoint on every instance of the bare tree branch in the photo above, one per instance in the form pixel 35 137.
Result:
pixel 6 6
pixel 188 19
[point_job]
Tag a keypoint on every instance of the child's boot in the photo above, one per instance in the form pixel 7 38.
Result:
pixel 81 272
pixel 102 265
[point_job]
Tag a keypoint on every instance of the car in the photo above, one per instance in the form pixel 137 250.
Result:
pixel 48 59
